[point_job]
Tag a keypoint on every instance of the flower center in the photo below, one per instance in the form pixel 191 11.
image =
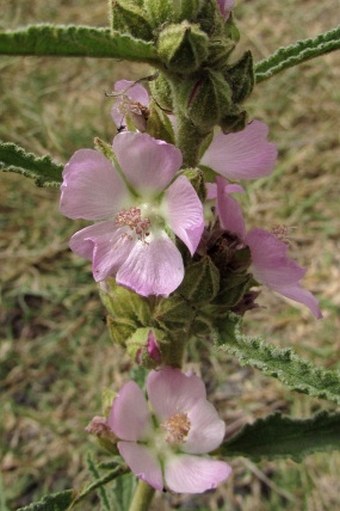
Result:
pixel 132 218
pixel 177 428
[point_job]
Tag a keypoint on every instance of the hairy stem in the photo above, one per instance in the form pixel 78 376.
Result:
pixel 189 140
pixel 142 497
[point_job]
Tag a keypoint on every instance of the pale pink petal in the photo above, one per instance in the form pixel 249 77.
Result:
pixel 91 187
pixel 131 101
pixel 194 474
pixel 298 294
pixel 154 267
pixel 83 241
pixel 206 429
pixel 142 462
pixel 152 347
pixel 148 164
pixel 129 418
pixel 225 7
pixel 228 209
pixel 184 212
pixel 170 391
pixel 246 154
pixel 272 267
pixel 110 252
pixel 211 189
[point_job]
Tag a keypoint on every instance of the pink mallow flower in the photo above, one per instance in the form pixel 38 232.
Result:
pixel 225 7
pixel 246 154
pixel 138 206
pixel 131 105
pixel 162 444
pixel 271 265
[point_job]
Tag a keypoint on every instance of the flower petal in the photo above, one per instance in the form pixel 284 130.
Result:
pixel 131 101
pixel 129 417
pixel 225 7
pixel 142 462
pixel 153 267
pixel 194 474
pixel 149 164
pixel 92 188
pixel 83 241
pixel 243 155
pixel 272 267
pixel 110 252
pixel 170 391
pixel 206 429
pixel 228 209
pixel 184 212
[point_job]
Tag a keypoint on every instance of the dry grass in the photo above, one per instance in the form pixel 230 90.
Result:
pixel 55 354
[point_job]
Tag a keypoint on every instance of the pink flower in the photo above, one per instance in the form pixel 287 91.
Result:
pixel 225 7
pixel 131 105
pixel 138 206
pixel 271 265
pixel 246 154
pixel 163 447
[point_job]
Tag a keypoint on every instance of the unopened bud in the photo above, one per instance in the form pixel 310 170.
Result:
pixel 105 436
pixel 183 47
pixel 206 100
pixel 241 78
pixel 143 346
pixel 128 17
pixel 171 11
pixel 161 92
pixel 201 281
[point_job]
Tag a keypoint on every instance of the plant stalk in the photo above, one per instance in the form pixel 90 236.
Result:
pixel 142 497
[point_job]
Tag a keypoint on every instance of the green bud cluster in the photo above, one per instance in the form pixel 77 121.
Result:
pixel 194 43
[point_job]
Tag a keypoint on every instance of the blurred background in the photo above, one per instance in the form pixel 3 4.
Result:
pixel 55 353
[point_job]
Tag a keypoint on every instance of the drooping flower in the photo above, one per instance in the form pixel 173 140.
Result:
pixel 225 7
pixel 131 105
pixel 246 154
pixel 271 265
pixel 163 446
pixel 137 202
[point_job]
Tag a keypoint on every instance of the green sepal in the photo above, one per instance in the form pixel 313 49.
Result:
pixel 127 17
pixel 201 282
pixel 196 178
pixel 241 77
pixel 173 313
pixel 161 92
pixel 182 47
pixel 233 289
pixel 158 124
pixel 204 100
pixel 230 29
pixel 127 310
pixel 210 19
pixel 219 51
pixel 159 12
pixel 234 121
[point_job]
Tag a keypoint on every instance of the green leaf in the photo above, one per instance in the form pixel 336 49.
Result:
pixel 75 41
pixel 123 490
pixel 54 502
pixel 297 53
pixel 283 364
pixel 42 169
pixel 277 436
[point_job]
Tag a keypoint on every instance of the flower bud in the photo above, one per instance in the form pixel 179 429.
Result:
pixel 161 92
pixel 201 282
pixel 241 78
pixel 143 347
pixel 183 47
pixel 159 125
pixel 219 51
pixel 205 100
pixel 105 436
pixel 128 17
pixel 234 121
pixel 171 11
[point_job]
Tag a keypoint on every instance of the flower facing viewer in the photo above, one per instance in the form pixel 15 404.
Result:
pixel 163 444
pixel 138 206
